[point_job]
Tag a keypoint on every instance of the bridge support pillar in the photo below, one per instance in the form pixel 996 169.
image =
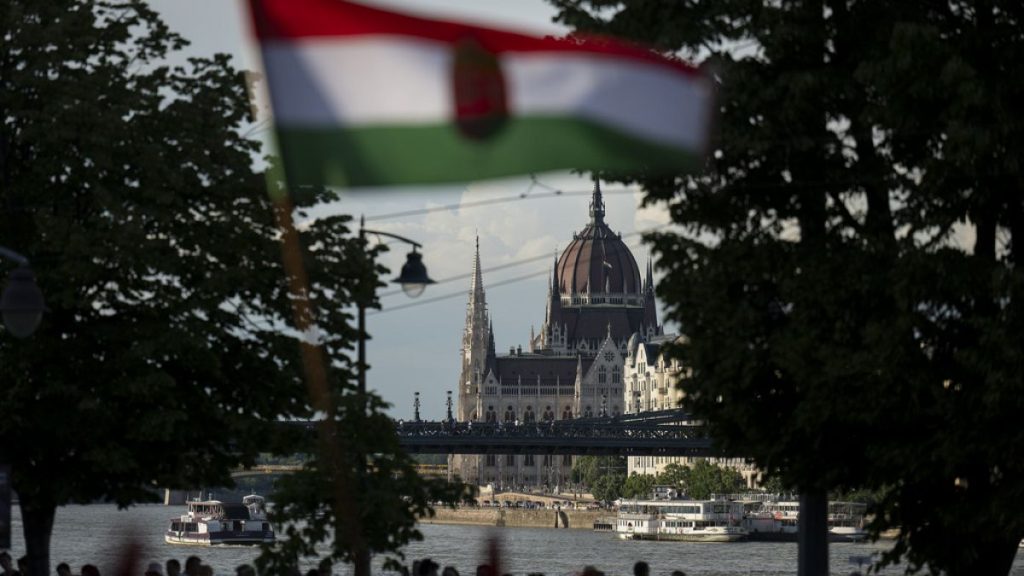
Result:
pixel 174 497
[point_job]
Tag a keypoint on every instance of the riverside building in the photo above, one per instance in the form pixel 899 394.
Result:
pixel 572 368
pixel 651 384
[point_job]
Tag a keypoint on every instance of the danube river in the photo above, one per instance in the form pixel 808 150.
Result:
pixel 94 534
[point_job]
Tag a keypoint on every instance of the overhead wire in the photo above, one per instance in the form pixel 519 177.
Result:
pixel 492 285
pixel 488 202
pixel 528 260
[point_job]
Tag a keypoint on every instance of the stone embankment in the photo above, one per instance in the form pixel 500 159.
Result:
pixel 518 517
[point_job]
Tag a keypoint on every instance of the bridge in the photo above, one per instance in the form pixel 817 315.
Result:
pixel 660 433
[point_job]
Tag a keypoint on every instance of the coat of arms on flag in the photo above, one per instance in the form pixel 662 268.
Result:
pixel 363 96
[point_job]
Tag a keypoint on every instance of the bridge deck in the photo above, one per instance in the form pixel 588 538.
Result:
pixel 664 433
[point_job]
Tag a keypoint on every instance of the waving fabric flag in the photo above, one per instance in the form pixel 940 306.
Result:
pixel 363 96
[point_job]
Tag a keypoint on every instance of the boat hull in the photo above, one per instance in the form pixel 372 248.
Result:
pixel 685 537
pixel 756 536
pixel 219 538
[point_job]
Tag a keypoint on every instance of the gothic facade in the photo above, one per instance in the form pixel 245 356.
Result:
pixel 572 368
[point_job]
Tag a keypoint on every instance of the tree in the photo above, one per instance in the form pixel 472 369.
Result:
pixel 674 474
pixel 638 486
pixel 706 479
pixel 837 332
pixel 608 487
pixel 170 350
pixel 589 470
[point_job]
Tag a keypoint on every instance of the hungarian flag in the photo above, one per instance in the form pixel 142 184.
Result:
pixel 365 97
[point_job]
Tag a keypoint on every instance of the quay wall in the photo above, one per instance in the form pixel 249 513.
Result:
pixel 517 517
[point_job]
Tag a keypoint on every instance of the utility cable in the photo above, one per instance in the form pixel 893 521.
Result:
pixel 515 263
pixel 492 285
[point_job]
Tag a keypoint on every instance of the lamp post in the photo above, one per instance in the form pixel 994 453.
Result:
pixel 413 279
pixel 22 303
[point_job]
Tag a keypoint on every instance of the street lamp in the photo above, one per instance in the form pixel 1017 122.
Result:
pixel 413 279
pixel 22 303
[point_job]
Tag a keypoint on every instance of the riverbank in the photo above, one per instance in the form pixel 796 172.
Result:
pixel 517 517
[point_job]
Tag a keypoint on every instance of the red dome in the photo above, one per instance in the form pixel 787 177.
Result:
pixel 597 259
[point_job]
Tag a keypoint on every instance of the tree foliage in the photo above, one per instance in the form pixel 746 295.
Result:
pixel 638 486
pixel 706 479
pixel 846 274
pixel 587 470
pixel 169 351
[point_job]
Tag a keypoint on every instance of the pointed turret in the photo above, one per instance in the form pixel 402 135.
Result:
pixel 477 342
pixel 476 285
pixel 597 204
pixel 554 297
pixel 491 354
pixel 650 304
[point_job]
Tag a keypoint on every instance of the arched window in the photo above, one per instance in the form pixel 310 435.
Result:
pixel 528 414
pixel 602 375
pixel 491 416
pixel 616 376
pixel 567 413
pixel 510 414
pixel 549 414
pixel 587 412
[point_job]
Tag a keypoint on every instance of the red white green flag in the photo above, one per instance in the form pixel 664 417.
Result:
pixel 365 97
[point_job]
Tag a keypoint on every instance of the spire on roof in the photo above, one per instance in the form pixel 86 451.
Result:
pixel 597 204
pixel 476 286
pixel 554 274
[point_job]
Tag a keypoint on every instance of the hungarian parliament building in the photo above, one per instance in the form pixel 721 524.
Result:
pixel 598 352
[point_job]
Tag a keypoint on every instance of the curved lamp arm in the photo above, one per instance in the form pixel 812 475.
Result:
pixel 364 231
pixel 13 256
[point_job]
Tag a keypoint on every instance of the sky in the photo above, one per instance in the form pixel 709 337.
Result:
pixel 415 344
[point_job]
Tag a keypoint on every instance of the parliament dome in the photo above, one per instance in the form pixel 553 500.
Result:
pixel 597 261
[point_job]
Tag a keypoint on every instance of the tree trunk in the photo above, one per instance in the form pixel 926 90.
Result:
pixel 812 534
pixel 37 520
pixel 361 563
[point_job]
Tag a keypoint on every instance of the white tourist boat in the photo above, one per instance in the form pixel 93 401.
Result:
pixel 680 520
pixel 846 521
pixel 212 523
pixel 779 521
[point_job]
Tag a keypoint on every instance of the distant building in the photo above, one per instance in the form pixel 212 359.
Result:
pixel 572 368
pixel 598 352
pixel 651 384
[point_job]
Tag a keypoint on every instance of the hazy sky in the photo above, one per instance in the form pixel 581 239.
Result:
pixel 417 348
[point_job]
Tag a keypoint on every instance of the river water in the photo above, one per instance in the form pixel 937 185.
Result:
pixel 95 534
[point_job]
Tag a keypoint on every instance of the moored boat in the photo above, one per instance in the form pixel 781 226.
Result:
pixel 778 521
pixel 680 520
pixel 212 523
